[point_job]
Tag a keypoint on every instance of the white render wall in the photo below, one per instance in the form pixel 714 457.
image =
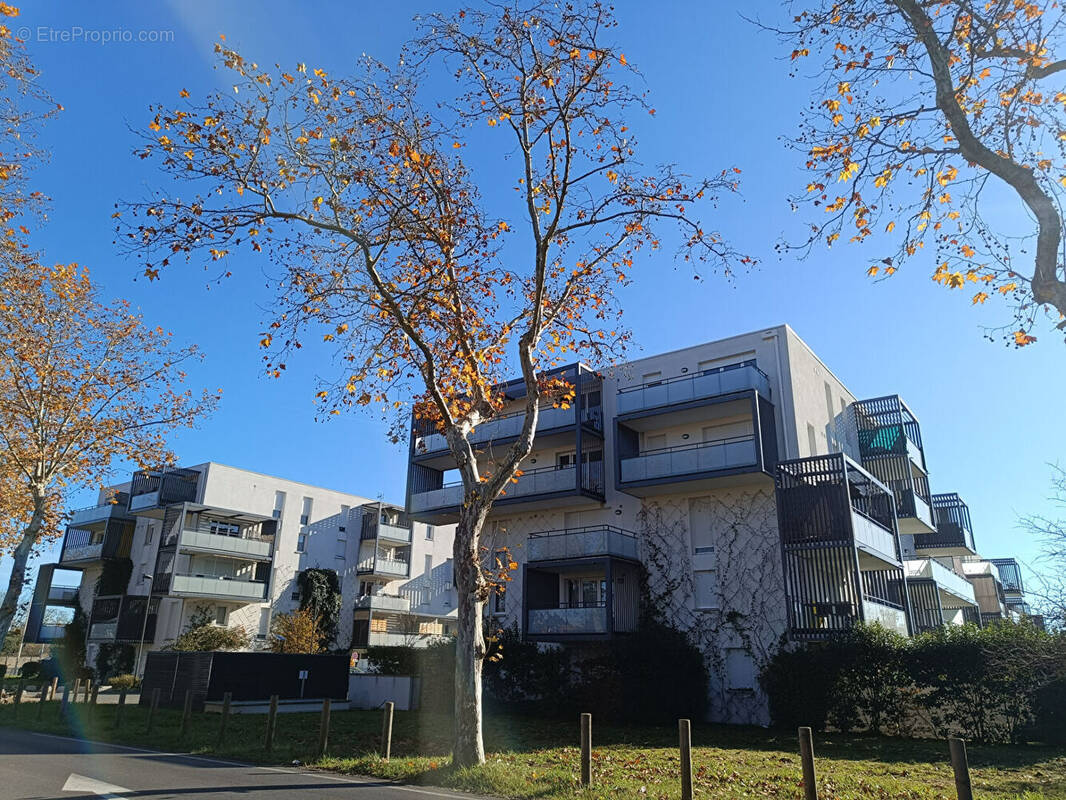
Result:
pixel 325 545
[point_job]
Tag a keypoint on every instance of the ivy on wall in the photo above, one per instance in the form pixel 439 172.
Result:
pixel 320 593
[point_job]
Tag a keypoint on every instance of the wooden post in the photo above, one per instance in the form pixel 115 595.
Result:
pixel 186 713
pixel 272 722
pixel 54 687
pixel 684 731
pixel 386 731
pixel 810 781
pixel 77 688
pixel 18 696
pixel 65 703
pixel 323 728
pixel 92 700
pixel 227 698
pixel 151 710
pixel 120 708
pixel 961 765
pixel 586 750
pixel 85 689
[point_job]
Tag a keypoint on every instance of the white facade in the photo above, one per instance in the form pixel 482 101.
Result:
pixel 680 452
pixel 226 542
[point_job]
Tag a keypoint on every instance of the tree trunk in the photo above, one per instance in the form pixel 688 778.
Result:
pixel 469 747
pixel 17 581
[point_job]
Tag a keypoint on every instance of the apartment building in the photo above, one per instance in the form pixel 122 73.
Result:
pixel 758 495
pixel 212 539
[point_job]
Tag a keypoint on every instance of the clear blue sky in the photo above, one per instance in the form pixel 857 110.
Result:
pixel 991 417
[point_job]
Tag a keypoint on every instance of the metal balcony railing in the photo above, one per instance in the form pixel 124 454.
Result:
pixel 698 386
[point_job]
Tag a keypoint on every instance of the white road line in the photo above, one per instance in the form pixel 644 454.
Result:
pixel 385 783
pixel 81 784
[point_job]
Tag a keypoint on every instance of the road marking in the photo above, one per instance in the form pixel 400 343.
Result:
pixel 81 784
pixel 383 783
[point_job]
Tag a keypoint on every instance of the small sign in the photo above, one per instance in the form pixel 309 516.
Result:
pixel 303 674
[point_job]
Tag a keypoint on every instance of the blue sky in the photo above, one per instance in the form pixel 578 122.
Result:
pixel 723 97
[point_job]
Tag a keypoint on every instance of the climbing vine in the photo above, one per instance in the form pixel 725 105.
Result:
pixel 320 593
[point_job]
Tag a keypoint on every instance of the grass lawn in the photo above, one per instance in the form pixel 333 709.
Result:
pixel 539 758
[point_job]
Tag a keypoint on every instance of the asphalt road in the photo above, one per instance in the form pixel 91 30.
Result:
pixel 35 766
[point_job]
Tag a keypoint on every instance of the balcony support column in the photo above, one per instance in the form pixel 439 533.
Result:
pixel 608 570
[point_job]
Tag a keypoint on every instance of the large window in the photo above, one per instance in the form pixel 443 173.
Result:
pixel 586 592
pixel 220 528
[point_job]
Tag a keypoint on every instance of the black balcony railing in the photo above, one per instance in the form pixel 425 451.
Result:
pixel 885 424
pixel 1010 574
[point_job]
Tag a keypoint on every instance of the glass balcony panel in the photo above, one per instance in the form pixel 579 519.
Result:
pixel 548 621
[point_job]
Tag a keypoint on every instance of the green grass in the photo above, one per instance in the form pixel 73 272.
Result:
pixel 539 758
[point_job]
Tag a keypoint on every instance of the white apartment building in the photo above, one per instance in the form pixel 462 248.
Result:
pixel 230 543
pixel 758 496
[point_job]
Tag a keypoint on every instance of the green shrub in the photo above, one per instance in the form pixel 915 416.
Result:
pixel 30 669
pixel 202 635
pixel 995 684
pixel 124 682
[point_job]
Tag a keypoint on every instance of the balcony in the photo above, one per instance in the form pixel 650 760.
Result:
pixel 545 485
pixel 687 389
pixel 384 567
pixel 79 547
pixel 244 547
pixel 840 547
pixel 954 532
pixel 121 618
pixel 384 602
pixel 937 594
pixel 598 540
pixel 509 426
pixel 388 523
pixel 100 513
pixel 583 598
pixel 107 539
pixel 151 492
pixel 62 595
pixel 736 441
pixel 1010 575
pixel 218 587
pixel 887 427
pixel 582 620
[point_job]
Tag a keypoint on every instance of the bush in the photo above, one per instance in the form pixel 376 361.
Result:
pixel 114 658
pixel 393 660
pixel 994 684
pixel 30 670
pixel 124 682
pixel 202 635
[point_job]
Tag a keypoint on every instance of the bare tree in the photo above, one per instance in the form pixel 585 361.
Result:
pixel 1050 530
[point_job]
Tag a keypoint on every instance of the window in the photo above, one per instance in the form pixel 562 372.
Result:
pixel 651 378
pixel 812 441
pixel 149 530
pixel 279 504
pixel 220 528
pixel 366 588
pixel 433 628
pixel 705 584
pixel 739 668
pixel 378 625
pixel 589 592
pixel 654 441
pixel 565 460
pixel 295 596
pixel 342 548
pixel 221 615
pixel 305 514
pixel 345 513
pixel 301 542
pixel 429 533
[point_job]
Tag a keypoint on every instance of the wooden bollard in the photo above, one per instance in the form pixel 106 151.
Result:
pixel 153 705
pixel 41 701
pixel 18 696
pixel 961 766
pixel 86 693
pixel 323 728
pixel 186 713
pixel 227 698
pixel 586 749
pixel 272 723
pixel 120 708
pixel 65 703
pixel 92 700
pixel 53 688
pixel 386 731
pixel 77 688
pixel 810 782
pixel 684 732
